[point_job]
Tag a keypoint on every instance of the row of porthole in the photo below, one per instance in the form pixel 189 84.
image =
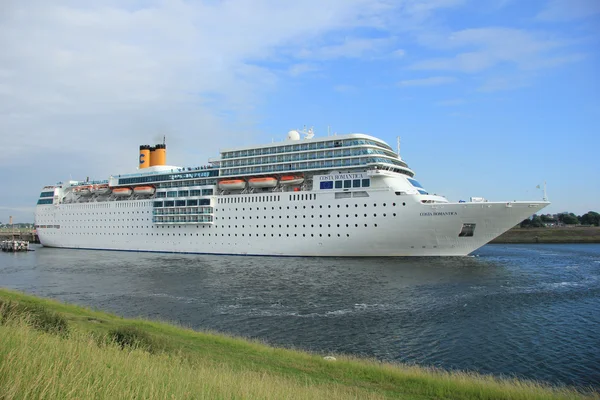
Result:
pixel 295 226
pixel 229 227
pixel 265 217
pixel 304 216
pixel 107 213
pixel 304 207
pixel 64 221
pixel 208 234
pixel 216 234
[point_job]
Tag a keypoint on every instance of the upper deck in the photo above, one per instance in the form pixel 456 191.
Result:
pixel 309 154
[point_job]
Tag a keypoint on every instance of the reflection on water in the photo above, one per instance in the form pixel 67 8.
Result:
pixel 525 310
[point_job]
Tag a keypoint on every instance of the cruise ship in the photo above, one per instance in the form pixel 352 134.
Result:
pixel 343 195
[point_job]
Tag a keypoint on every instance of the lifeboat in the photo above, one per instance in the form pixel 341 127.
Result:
pixel 100 189
pixel 288 180
pixel 267 182
pixel 122 192
pixel 232 184
pixel 83 190
pixel 143 190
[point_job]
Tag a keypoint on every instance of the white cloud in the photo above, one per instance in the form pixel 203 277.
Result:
pixel 431 81
pixel 345 88
pixel 490 47
pixel 114 65
pixel 348 48
pixel 503 83
pixel 399 53
pixel 567 10
pixel 301 69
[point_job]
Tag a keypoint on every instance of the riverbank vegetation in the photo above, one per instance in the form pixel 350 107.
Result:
pixel 590 218
pixel 53 350
pixel 554 234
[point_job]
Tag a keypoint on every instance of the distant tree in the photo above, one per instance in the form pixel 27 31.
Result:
pixel 526 223
pixel 590 218
pixel 568 218
pixel 536 222
pixel 547 218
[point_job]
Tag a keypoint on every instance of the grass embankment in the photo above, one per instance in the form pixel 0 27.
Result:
pixel 53 350
pixel 557 234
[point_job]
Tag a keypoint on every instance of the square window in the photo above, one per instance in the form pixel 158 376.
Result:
pixel 327 185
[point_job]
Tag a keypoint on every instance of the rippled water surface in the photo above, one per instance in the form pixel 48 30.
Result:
pixel 527 310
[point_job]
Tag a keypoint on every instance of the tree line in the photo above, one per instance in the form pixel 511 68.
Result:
pixel 590 218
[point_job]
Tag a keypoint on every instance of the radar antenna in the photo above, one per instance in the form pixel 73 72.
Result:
pixel 308 134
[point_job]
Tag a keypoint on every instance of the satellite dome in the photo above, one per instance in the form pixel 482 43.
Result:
pixel 293 135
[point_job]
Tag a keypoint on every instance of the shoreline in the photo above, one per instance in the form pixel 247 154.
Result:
pixel 557 235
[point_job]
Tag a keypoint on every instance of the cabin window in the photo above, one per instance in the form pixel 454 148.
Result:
pixel 327 185
pixel 366 182
pixel 347 184
pixel 356 183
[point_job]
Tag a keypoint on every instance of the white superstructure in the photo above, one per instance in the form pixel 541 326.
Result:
pixel 343 195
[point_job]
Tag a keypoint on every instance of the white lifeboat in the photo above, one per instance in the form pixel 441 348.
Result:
pixel 143 190
pixel 83 190
pixel 122 192
pixel 289 180
pixel 232 184
pixel 100 189
pixel 266 182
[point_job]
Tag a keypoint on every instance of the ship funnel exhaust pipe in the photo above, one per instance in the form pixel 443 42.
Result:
pixel 158 155
pixel 144 158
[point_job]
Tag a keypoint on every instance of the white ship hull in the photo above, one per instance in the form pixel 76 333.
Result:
pixel 383 224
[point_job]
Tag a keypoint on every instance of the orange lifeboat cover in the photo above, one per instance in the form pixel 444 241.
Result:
pixel 266 179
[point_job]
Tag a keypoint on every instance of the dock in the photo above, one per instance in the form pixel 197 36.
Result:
pixel 14 246
pixel 22 235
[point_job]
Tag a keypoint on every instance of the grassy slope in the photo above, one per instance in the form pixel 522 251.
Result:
pixel 189 364
pixel 579 234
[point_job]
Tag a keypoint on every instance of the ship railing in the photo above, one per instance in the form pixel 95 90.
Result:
pixel 175 212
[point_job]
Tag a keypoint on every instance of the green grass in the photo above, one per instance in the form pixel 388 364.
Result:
pixel 557 234
pixel 104 356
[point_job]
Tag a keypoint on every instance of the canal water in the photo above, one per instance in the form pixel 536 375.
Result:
pixel 531 311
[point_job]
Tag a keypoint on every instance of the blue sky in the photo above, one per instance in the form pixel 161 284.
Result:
pixel 490 98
